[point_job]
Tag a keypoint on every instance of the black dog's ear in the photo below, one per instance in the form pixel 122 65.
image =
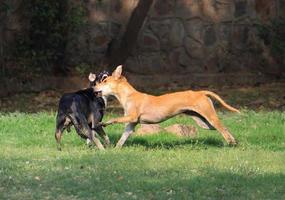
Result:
pixel 92 77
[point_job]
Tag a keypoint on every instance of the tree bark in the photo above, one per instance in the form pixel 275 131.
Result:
pixel 119 55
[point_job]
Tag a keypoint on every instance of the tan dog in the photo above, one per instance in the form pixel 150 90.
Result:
pixel 148 109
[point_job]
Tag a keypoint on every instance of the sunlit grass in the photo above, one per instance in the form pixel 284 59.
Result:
pixel 148 167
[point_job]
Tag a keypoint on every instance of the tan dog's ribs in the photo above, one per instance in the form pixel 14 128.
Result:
pixel 143 108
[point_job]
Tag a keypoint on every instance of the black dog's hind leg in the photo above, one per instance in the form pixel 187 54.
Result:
pixel 83 129
pixel 60 120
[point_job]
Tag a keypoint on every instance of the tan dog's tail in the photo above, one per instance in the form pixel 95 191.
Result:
pixel 215 96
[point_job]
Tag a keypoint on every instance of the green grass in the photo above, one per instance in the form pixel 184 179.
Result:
pixel 151 167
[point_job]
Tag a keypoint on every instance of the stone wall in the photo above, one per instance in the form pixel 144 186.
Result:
pixel 204 36
pixel 178 36
pixel 182 36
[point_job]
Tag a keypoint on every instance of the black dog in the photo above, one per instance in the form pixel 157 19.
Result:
pixel 84 110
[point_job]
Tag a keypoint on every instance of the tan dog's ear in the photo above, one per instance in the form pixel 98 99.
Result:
pixel 92 77
pixel 118 72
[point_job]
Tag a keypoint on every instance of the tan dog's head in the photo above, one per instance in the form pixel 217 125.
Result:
pixel 109 85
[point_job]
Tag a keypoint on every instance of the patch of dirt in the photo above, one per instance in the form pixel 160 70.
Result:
pixel 270 96
pixel 31 102
pixel 266 96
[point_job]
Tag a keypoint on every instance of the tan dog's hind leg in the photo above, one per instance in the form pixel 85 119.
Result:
pixel 128 131
pixel 207 110
pixel 201 122
pixel 226 134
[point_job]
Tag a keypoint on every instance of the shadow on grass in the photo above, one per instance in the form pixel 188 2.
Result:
pixel 160 141
pixel 76 182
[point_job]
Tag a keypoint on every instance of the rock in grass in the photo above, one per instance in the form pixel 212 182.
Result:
pixel 149 129
pixel 176 129
pixel 182 130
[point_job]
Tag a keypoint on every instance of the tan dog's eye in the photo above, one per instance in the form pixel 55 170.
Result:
pixel 103 79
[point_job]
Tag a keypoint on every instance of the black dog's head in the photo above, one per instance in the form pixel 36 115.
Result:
pixel 93 78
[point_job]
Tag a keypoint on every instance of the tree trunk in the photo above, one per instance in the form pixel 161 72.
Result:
pixel 119 55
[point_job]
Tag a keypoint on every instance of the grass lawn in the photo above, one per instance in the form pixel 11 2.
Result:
pixel 150 167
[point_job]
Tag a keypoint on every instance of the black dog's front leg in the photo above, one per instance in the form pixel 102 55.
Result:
pixel 99 129
pixel 96 140
pixel 94 134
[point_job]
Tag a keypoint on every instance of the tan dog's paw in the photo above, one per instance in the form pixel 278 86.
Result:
pixel 104 124
pixel 233 143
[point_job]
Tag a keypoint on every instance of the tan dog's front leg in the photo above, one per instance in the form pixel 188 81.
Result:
pixel 125 119
pixel 128 131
